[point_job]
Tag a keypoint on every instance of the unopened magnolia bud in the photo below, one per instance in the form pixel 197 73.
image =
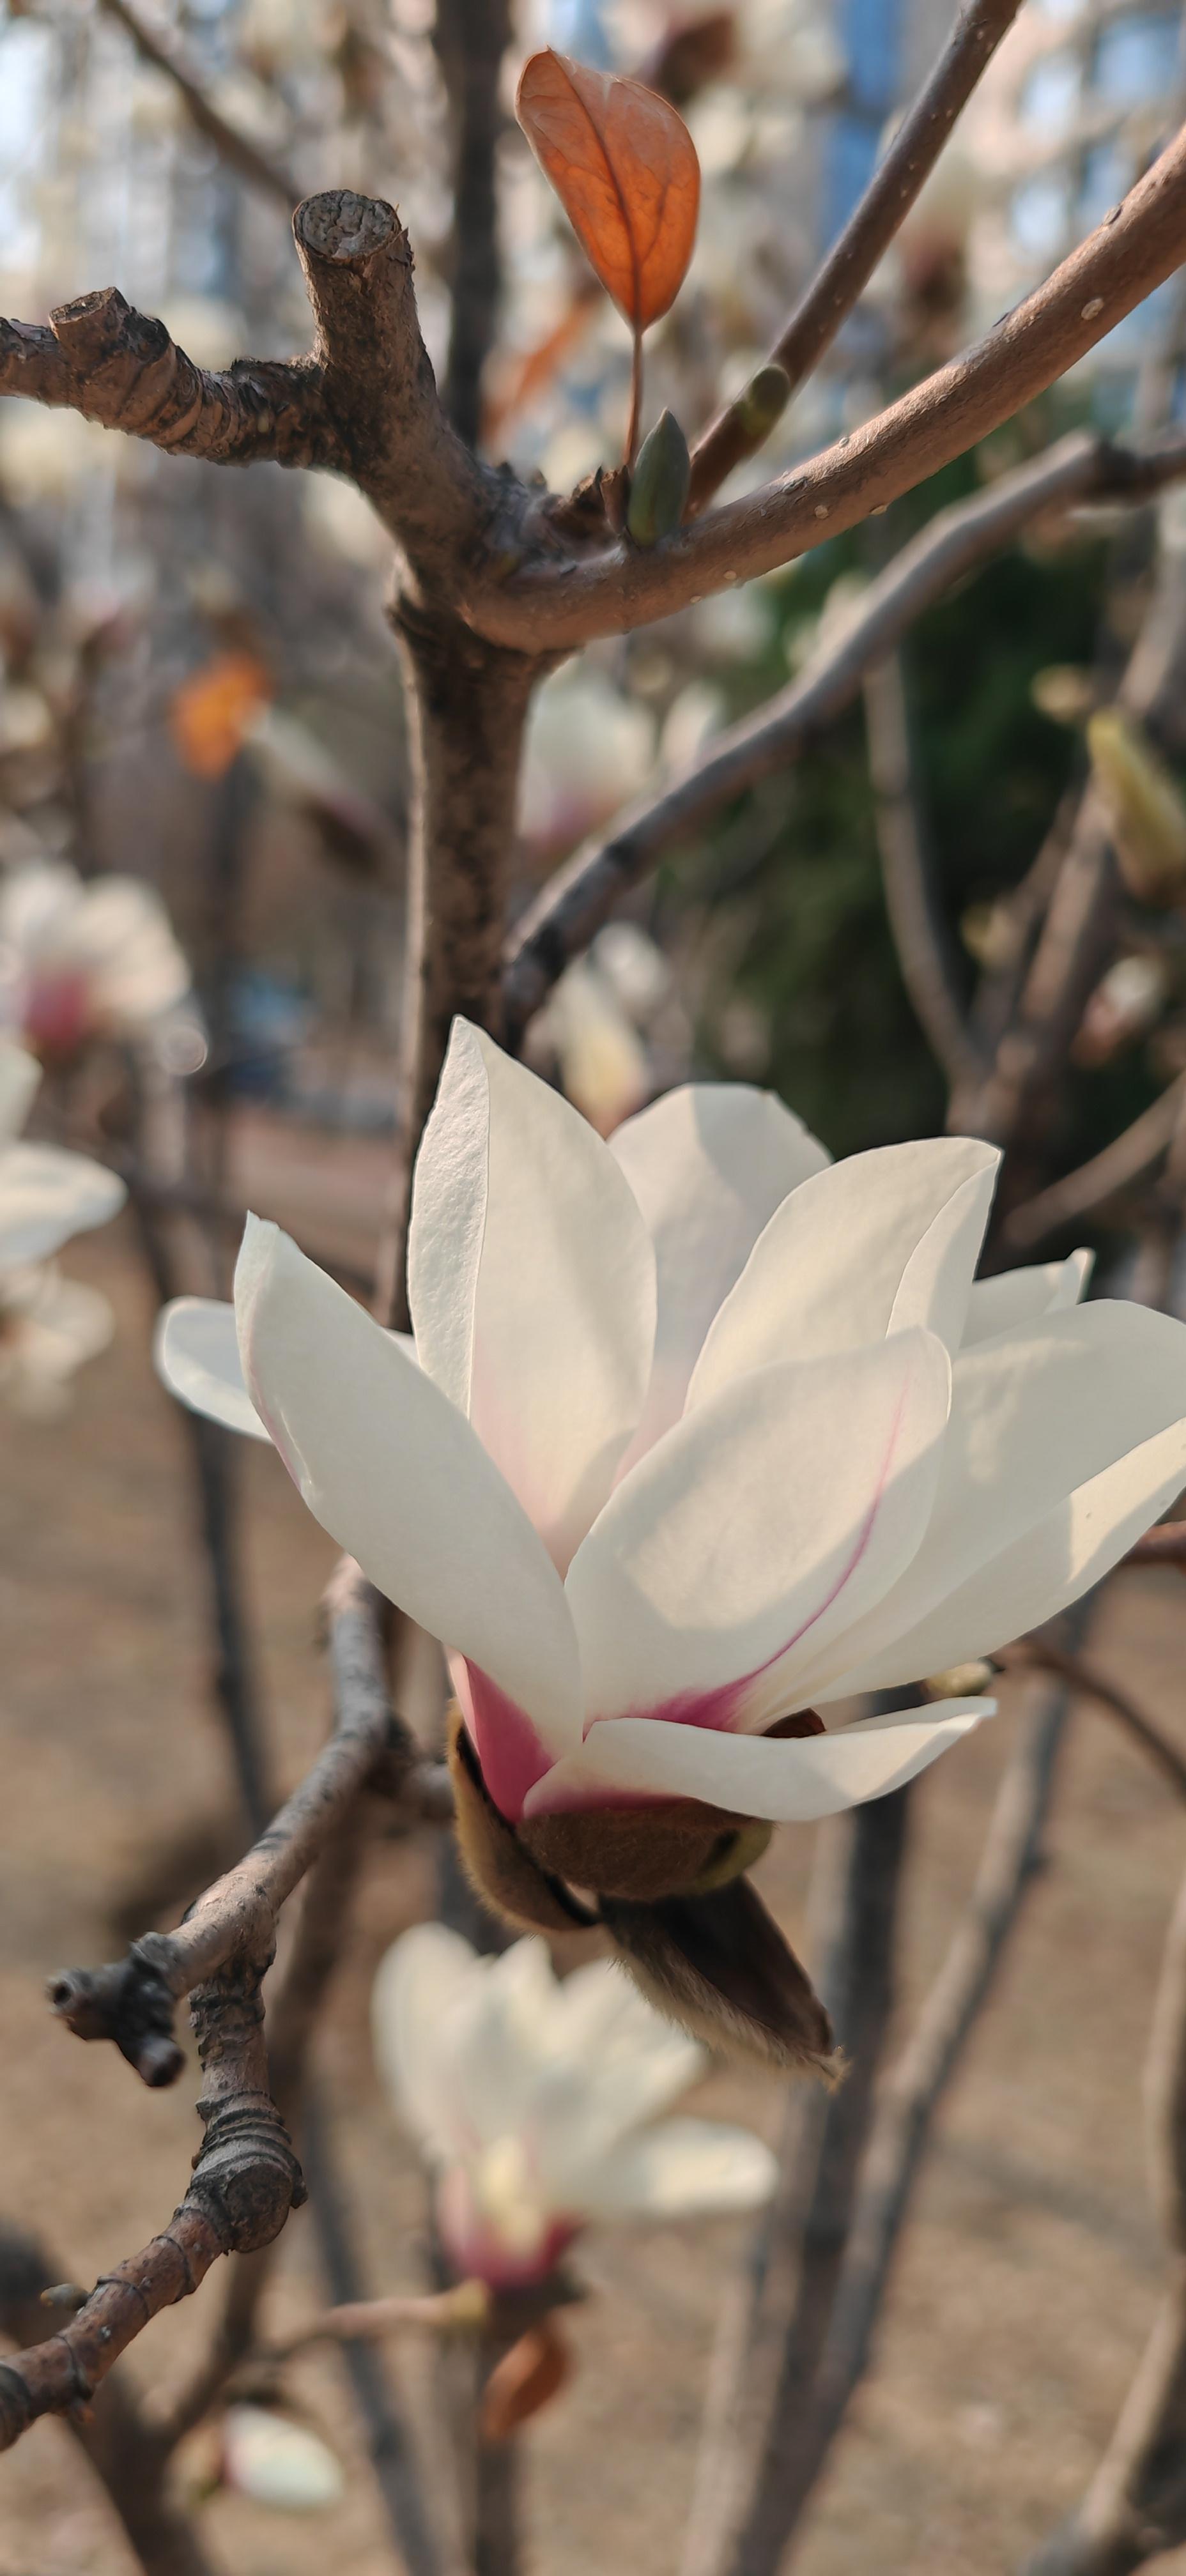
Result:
pixel 1130 998
pixel 659 485
pixel 1063 692
pixel 763 402
pixel 1144 804
pixel 960 1681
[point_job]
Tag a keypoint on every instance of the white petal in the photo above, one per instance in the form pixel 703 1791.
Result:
pixel 20 1075
pixel 121 933
pixel 531 1280
pixel 708 1165
pixel 388 1465
pixel 1063 1446
pixel 46 1195
pixel 278 2463
pixel 786 1780
pixel 1017 1298
pixel 683 2169
pixel 38 903
pixel 874 1244
pixel 196 1352
pixel 419 1984
pixel 765 1523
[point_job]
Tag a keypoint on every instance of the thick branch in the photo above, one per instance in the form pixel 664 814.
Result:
pixel 123 2450
pixel 1130 254
pixel 161 46
pixel 380 390
pixel 867 235
pixel 576 901
pixel 245 2181
pixel 131 2001
pixel 98 356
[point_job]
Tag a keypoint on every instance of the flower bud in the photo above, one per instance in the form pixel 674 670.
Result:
pixel 1144 805
pixel 763 402
pixel 659 485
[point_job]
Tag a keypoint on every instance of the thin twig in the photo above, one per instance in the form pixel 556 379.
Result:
pixel 1080 1193
pixel 1043 1654
pixel 871 227
pixel 575 902
pixel 922 943
pixel 470 38
pixel 1135 2507
pixel 906 2114
pixel 131 2001
pixel 1165 1545
pixel 160 45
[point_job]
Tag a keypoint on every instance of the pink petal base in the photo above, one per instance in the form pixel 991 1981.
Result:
pixel 510 1753
pixel 478 2253
pixel 57 1013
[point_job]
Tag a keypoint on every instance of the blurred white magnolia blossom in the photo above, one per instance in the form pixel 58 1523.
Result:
pixel 48 1324
pixel 532 2101
pixel 273 2461
pixel 588 750
pixel 80 960
pixel 596 1018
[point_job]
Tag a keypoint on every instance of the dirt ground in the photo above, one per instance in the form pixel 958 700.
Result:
pixel 1030 2275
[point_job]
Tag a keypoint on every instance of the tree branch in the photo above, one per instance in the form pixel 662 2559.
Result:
pixel 1135 2507
pixel 1127 1159
pixel 161 46
pixel 123 2450
pixel 868 234
pixel 920 935
pixel 1131 253
pixel 774 2330
pixel 98 356
pixel 1043 1654
pixel 575 902
pixel 471 37
pixel 131 2001
pixel 246 2177
pixel 906 2111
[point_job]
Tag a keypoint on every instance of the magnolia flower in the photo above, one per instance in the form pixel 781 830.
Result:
pixel 700 1434
pixel 79 961
pixel 48 1324
pixel 532 2103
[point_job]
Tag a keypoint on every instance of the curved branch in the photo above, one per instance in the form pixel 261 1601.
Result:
pixel 921 939
pixel 867 235
pixel 573 905
pixel 1041 1653
pixel 131 2001
pixel 1132 252
pixel 1127 1159
pixel 161 46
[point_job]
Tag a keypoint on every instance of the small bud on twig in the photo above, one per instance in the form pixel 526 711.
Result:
pixel 659 488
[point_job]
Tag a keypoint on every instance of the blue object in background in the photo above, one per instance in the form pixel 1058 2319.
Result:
pixel 872 31
pixel 577 27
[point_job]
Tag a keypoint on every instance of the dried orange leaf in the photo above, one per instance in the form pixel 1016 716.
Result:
pixel 528 2377
pixel 624 167
pixel 212 710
